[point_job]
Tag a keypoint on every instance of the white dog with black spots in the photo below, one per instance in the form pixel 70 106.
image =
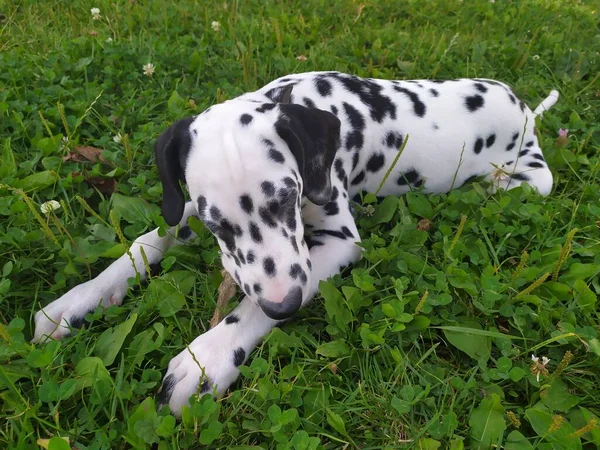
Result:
pixel 272 174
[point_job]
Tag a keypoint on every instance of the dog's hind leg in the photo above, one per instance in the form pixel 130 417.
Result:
pixel 110 286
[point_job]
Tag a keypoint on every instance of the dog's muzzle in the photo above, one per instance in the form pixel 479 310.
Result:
pixel 288 306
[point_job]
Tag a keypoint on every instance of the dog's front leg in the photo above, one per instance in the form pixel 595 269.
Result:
pixel 109 288
pixel 210 363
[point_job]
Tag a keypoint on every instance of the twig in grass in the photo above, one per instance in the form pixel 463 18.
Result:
pixel 564 253
pixel 226 291
pixel 534 285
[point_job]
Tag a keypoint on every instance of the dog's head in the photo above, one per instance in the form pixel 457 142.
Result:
pixel 247 166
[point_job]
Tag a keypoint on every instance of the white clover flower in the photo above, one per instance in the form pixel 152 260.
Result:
pixel 109 40
pixel 117 138
pixel 95 13
pixel 535 57
pixel 216 26
pixel 49 206
pixel 539 368
pixel 148 69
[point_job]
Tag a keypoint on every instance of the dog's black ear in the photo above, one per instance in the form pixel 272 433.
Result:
pixel 171 152
pixel 313 137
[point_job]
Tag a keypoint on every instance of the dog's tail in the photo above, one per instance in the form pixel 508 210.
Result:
pixel 547 103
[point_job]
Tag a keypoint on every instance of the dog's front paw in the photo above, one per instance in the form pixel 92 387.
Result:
pixel 55 320
pixel 209 365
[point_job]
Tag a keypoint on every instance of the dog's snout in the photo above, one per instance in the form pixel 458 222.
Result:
pixel 284 309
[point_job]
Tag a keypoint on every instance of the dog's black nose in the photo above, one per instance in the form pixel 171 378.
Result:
pixel 279 311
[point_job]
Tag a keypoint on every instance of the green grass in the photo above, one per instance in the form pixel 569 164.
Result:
pixel 426 343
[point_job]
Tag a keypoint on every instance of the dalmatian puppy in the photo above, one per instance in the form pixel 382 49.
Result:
pixel 271 174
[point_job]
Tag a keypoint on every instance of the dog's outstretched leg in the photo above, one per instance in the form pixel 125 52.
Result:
pixel 109 288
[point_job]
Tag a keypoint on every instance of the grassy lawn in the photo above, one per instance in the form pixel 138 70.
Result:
pixel 426 343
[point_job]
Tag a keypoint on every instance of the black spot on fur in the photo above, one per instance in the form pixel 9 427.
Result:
pixel 239 356
pixel 356 119
pixel 347 231
pixel 276 94
pixel 409 177
pixel 310 242
pixel 166 390
pixel 250 258
pixel 275 155
pixel 206 386
pixel 481 88
pixel 324 87
pixel 155 269
pixel 332 209
pixel 355 159
pixel 255 233
pixel 309 264
pixel 241 256
pixel 215 213
pixel 510 146
pixel 393 139
pixel 375 162
pixel 515 136
pixel 334 233
pixel 185 232
pixel 354 139
pixel 358 178
pixel 538 156
pixel 78 322
pixel 295 270
pixel 434 92
pixel 257 288
pixel 523 152
pixel 245 119
pixel 522 105
pixel 490 140
pixel 232 318
pixel 435 126
pixel 535 164
pixel 308 102
pixel 370 94
pixel 478 146
pixel 512 98
pixel 267 217
pixel 520 177
pixel 269 266
pixel 246 203
pixel 334 109
pixel 295 245
pixel 419 107
pixel 201 205
pixel 268 188
pixel 529 144
pixel 473 103
pixel 265 107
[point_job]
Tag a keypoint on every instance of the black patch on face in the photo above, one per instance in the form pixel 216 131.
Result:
pixel 255 233
pixel 245 119
pixel 324 87
pixel 239 356
pixel 257 288
pixel 268 188
pixel 481 88
pixel 232 318
pixel 308 102
pixel 334 109
pixel 490 140
pixel 201 205
pixel 473 103
pixel 529 144
pixel 409 177
pixel 375 162
pixel 370 95
pixel 215 213
pixel 520 177
pixel 347 231
pixel 185 232
pixel 269 266
pixel 247 204
pixel 358 178
pixel 265 107
pixel 535 164
pixel 478 146
pixel 275 155
pixel 419 107
pixel 434 92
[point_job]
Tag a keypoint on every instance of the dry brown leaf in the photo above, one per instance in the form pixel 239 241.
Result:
pixel 84 154
pixel 227 290
pixel 104 185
